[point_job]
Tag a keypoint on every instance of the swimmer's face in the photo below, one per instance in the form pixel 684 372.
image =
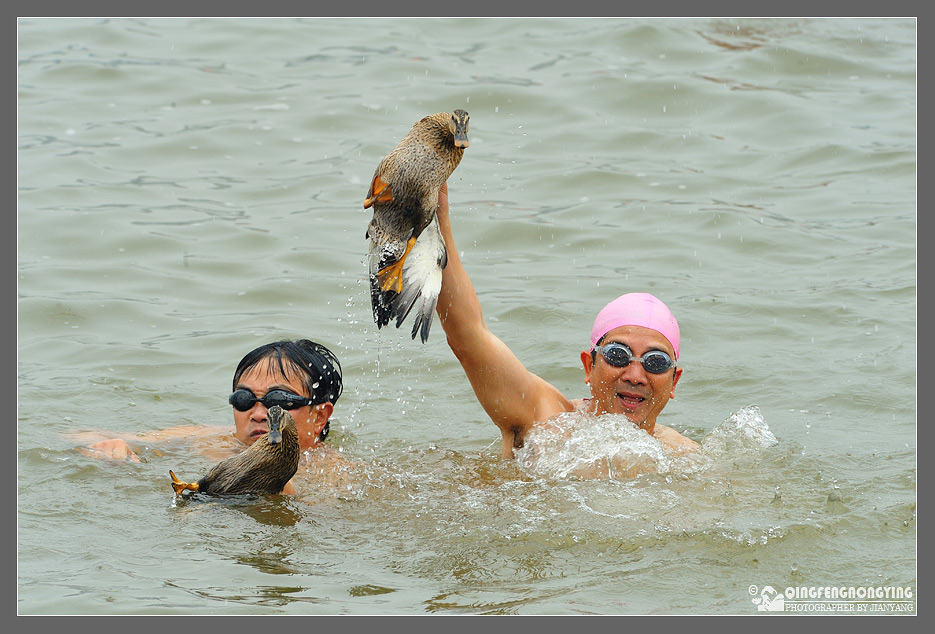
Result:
pixel 264 377
pixel 632 391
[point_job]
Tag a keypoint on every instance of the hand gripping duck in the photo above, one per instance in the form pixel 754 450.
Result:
pixel 407 253
pixel 265 467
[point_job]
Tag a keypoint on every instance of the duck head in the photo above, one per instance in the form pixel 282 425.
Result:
pixel 458 125
pixel 276 416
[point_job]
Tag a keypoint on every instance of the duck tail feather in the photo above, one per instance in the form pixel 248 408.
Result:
pixel 423 319
pixel 382 303
pixel 403 303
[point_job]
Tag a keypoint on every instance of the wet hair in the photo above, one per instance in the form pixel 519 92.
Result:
pixel 317 365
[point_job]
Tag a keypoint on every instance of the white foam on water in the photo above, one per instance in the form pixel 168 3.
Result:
pixel 580 445
pixel 744 431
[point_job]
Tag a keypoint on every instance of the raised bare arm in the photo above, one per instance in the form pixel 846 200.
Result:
pixel 512 396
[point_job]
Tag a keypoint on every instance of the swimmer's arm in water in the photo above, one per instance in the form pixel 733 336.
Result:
pixel 122 447
pixel 512 396
pixel 110 449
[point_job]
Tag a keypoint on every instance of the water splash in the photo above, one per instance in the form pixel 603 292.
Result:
pixel 743 432
pixel 581 445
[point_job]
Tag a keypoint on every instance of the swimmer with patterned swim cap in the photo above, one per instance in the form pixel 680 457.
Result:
pixel 630 365
pixel 302 377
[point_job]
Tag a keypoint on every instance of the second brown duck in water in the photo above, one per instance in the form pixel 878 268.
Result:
pixel 265 467
pixel 407 253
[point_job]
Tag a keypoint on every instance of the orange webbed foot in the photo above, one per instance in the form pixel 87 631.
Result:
pixel 391 276
pixel 178 486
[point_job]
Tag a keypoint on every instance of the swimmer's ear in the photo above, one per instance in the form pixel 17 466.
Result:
pixel 322 412
pixel 588 362
pixel 675 379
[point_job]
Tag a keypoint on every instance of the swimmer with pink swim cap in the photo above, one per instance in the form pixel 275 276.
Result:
pixel 630 366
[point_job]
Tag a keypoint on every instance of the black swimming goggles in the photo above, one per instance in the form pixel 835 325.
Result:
pixel 620 356
pixel 243 399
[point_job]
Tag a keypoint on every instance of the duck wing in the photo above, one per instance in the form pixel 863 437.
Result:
pixel 421 282
pixel 236 474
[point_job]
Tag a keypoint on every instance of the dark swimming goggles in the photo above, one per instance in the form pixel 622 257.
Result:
pixel 243 399
pixel 620 356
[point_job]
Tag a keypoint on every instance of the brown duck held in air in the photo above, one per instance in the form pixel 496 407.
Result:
pixel 407 253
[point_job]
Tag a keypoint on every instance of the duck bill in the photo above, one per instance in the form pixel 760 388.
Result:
pixel 461 140
pixel 275 436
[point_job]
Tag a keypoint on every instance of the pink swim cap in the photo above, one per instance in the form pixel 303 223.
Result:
pixel 637 309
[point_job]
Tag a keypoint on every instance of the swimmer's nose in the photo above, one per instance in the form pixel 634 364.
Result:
pixel 259 413
pixel 634 373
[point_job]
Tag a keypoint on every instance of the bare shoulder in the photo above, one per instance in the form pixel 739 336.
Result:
pixel 673 440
